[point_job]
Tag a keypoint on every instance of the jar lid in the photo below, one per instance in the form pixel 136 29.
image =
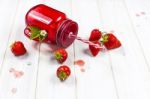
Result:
pixel 63 38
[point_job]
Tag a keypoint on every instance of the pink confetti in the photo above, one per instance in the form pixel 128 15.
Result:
pixel 79 62
pixel 14 90
pixel 143 13
pixel 140 13
pixel 137 15
pixel 112 31
pixel 82 70
pixel 11 70
pixel 16 73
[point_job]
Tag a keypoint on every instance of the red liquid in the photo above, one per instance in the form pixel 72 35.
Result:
pixel 57 25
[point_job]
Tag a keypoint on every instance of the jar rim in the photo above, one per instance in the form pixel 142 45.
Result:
pixel 67 26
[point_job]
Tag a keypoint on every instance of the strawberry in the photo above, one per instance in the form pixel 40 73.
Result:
pixel 18 48
pixel 93 49
pixel 95 35
pixel 110 41
pixel 61 55
pixel 63 72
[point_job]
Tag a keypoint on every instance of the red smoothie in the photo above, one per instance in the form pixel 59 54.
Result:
pixel 56 24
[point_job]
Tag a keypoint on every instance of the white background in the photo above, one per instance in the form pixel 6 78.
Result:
pixel 123 73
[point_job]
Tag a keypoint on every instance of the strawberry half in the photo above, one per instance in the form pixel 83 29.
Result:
pixel 110 41
pixel 93 49
pixel 61 55
pixel 95 35
pixel 18 48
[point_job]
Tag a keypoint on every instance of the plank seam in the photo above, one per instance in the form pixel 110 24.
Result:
pixel 37 72
pixel 8 40
pixel 74 56
pixel 109 58
pixel 135 33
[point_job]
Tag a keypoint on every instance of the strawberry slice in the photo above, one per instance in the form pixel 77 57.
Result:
pixel 93 49
pixel 95 35
pixel 110 41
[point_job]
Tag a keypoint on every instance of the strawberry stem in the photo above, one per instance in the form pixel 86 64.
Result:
pixel 62 76
pixel 104 38
pixel 58 56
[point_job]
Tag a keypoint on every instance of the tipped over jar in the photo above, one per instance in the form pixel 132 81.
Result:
pixel 50 25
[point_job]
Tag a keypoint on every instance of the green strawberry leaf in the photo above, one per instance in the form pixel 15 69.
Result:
pixel 41 38
pixel 58 56
pixel 62 75
pixel 104 38
pixel 34 29
pixel 35 32
pixel 34 36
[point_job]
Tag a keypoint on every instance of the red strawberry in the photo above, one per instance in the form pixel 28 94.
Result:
pixel 110 41
pixel 18 48
pixel 63 72
pixel 61 55
pixel 93 49
pixel 95 35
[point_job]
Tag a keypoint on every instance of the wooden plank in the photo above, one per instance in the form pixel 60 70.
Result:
pixel 128 63
pixel 97 80
pixel 122 73
pixel 6 20
pixel 139 14
pixel 22 87
pixel 7 11
pixel 48 85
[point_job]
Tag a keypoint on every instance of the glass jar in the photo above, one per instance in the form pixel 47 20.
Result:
pixel 56 24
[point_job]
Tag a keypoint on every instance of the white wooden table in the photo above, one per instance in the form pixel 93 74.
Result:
pixel 122 73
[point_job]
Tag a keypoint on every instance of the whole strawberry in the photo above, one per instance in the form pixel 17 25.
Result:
pixel 63 72
pixel 18 48
pixel 94 50
pixel 95 35
pixel 61 55
pixel 110 41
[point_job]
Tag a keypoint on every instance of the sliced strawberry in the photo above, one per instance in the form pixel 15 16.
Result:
pixel 110 41
pixel 94 50
pixel 95 35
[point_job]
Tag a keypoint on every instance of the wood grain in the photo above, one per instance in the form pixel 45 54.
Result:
pixel 123 73
pixel 97 80
pixel 25 85
pixel 48 85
